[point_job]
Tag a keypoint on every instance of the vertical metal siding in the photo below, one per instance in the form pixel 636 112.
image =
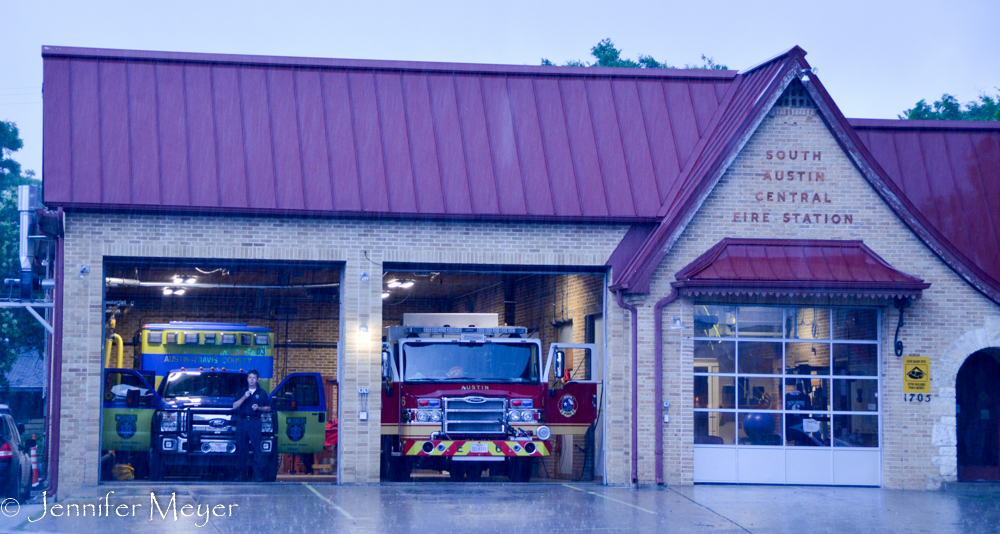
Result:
pixel 317 186
pixel 288 179
pixel 202 147
pixel 57 131
pixel 144 123
pixel 116 153
pixel 259 148
pixel 558 156
pixel 583 147
pixel 343 142
pixel 530 148
pixel 427 179
pixel 395 143
pixel 642 178
pixel 611 152
pixel 175 185
pixel 368 137
pixel 450 146
pixel 475 140
pixel 503 146
pixel 230 158
pixel 87 175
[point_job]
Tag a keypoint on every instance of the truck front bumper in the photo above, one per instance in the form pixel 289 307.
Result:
pixel 475 448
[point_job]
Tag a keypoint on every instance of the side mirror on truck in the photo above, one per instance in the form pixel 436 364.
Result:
pixel 386 373
pixel 560 364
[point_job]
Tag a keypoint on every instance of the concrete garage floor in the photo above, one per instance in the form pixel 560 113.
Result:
pixel 466 507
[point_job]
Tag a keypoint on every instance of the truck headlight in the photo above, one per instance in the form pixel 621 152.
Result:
pixel 422 416
pixel 168 422
pixel 527 416
pixel 436 416
pixel 514 416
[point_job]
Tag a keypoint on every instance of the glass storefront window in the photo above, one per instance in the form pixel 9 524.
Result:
pixel 807 323
pixel 850 395
pixel 760 322
pixel 714 356
pixel 714 392
pixel 792 377
pixel 714 321
pixel 807 394
pixel 807 430
pixel 759 428
pixel 855 430
pixel 855 359
pixel 714 428
pixel 855 323
pixel 759 358
pixel 807 358
pixel 759 393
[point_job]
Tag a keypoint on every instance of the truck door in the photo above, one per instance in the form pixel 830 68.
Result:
pixel 128 405
pixel 571 406
pixel 300 403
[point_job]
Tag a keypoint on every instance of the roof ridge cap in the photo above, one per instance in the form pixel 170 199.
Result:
pixel 790 53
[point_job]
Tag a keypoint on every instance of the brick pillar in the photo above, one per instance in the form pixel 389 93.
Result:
pixel 359 366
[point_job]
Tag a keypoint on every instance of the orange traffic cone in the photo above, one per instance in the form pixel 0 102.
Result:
pixel 34 467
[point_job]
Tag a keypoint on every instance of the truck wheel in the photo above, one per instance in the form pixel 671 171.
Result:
pixel 475 472
pixel 272 468
pixel 399 469
pixel 519 470
pixel 156 467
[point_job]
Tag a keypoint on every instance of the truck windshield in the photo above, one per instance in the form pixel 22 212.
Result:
pixel 199 384
pixel 467 362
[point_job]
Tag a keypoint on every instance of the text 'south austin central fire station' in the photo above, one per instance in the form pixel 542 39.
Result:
pixel 491 272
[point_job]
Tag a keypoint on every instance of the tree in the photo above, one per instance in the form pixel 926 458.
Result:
pixel 19 331
pixel 987 108
pixel 608 56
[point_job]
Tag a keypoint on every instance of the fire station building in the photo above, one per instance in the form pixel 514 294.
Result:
pixel 780 294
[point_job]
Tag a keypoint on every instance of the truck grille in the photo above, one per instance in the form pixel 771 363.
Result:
pixel 211 423
pixel 474 415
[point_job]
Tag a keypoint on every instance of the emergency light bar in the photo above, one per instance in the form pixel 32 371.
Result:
pixel 450 330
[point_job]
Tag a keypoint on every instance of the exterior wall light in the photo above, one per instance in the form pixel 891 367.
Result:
pixel 364 276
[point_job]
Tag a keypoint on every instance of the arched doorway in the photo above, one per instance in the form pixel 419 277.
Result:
pixel 978 411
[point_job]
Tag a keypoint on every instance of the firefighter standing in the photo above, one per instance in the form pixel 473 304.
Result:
pixel 251 401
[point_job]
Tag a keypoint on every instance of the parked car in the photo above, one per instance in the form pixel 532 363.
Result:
pixel 15 464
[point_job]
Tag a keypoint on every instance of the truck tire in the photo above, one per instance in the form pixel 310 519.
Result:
pixel 519 469
pixel 271 474
pixel 399 469
pixel 156 467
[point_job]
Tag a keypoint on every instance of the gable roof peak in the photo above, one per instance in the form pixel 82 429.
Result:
pixel 795 53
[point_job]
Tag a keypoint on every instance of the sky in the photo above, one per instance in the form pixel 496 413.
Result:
pixel 875 57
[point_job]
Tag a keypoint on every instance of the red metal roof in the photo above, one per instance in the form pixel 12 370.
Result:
pixel 176 131
pixel 949 173
pixel 795 267
pixel 745 105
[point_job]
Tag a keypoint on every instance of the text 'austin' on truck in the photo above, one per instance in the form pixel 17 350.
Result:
pixel 176 409
pixel 463 395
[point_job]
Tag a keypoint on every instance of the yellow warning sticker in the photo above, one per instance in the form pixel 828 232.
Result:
pixel 916 374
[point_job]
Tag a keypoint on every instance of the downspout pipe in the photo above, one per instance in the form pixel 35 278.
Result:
pixel 658 374
pixel 55 368
pixel 635 385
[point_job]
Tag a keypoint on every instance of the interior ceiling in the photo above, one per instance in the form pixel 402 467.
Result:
pixel 427 285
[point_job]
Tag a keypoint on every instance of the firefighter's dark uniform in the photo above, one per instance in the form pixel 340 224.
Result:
pixel 248 434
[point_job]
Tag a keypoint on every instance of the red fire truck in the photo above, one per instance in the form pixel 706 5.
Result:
pixel 464 395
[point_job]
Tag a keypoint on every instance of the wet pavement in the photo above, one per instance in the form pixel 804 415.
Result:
pixel 500 507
